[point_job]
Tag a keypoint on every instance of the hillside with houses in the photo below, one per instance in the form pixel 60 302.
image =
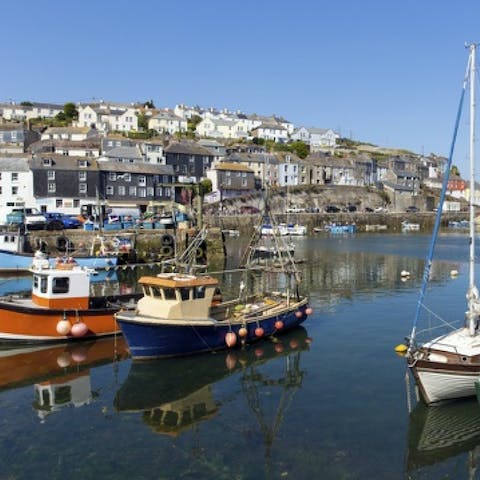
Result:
pixel 67 158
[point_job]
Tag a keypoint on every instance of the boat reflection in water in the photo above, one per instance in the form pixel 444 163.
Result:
pixel 60 374
pixel 176 394
pixel 439 433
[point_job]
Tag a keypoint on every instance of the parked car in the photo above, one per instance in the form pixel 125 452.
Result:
pixel 59 221
pixel 30 217
pixel 368 210
pixel 332 209
pixel 248 209
pixel 380 210
pixel 412 209
pixel 350 208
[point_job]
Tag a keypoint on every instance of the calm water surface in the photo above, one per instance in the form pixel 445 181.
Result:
pixel 329 400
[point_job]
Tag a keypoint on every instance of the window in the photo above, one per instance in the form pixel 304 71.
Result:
pixel 122 190
pixel 47 162
pixel 192 159
pixel 51 175
pixel 142 192
pixel 109 190
pixel 59 203
pixel 149 191
pixel 60 285
pixel 112 176
pixel 127 177
pixel 169 294
pixel 142 180
pixel 76 203
pixel 14 190
pixel 132 191
pixel 14 176
pixel 185 293
pixel 82 188
pixel 159 191
pixel 82 176
pixel 83 163
pixel 52 188
pixel 244 182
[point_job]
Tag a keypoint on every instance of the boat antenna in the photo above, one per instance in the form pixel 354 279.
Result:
pixel 438 217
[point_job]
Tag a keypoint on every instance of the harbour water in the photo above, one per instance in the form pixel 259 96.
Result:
pixel 329 400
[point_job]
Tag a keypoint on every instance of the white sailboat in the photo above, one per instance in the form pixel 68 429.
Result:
pixel 446 367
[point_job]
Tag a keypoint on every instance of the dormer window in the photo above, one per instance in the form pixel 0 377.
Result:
pixel 83 163
pixel 47 162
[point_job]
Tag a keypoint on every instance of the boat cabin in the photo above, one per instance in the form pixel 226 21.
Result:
pixel 65 286
pixel 177 296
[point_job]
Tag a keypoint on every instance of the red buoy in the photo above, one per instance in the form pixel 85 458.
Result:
pixel 298 314
pixel 79 329
pixel 309 310
pixel 259 332
pixel 230 339
pixel 278 324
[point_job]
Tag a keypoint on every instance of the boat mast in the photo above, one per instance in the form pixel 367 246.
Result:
pixel 473 296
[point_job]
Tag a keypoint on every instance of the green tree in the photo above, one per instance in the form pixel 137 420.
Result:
pixel 70 111
pixel 26 103
pixel 149 104
pixel 455 171
pixel 299 148
pixel 142 121
pixel 193 122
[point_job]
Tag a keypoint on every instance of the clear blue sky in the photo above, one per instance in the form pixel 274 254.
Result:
pixel 385 72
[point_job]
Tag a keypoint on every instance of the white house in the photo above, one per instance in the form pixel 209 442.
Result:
pixel 167 122
pixel 317 138
pixel 221 128
pixel 75 134
pixel 271 131
pixel 16 184
pixel 14 111
pixel 108 118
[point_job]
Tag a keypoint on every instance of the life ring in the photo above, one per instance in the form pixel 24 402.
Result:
pixel 166 251
pixel 62 243
pixel 167 240
pixel 200 253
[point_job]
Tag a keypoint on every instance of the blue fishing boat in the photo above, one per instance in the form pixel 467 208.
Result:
pixel 184 313
pixel 17 255
pixel 341 228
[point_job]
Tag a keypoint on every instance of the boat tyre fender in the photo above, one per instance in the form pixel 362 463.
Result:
pixel 200 253
pixel 166 251
pixel 167 240
pixel 62 243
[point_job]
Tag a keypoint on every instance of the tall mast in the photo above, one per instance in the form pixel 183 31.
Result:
pixel 472 295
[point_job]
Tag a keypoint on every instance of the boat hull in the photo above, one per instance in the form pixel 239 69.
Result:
pixel 157 338
pixel 22 262
pixel 29 325
pixel 439 381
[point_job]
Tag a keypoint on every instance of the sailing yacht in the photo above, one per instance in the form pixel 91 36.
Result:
pixel 446 367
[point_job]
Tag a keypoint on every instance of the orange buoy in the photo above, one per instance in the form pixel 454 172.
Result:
pixel 79 329
pixel 293 343
pixel 230 339
pixel 63 327
pixel 279 347
pixel 299 314
pixel 278 324
pixel 309 310
pixel 259 332
pixel 242 332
